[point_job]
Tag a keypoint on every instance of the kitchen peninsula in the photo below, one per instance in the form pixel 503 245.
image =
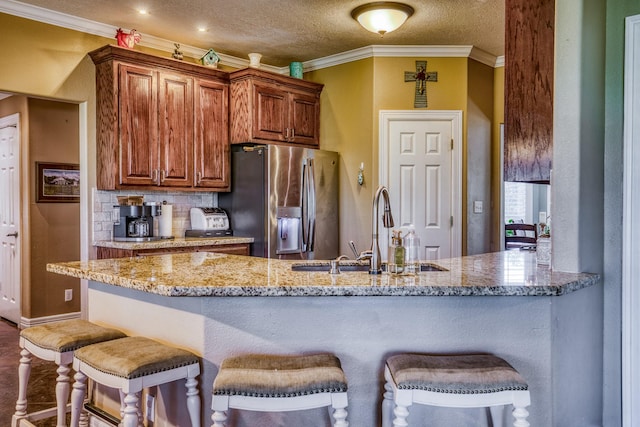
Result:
pixel 220 305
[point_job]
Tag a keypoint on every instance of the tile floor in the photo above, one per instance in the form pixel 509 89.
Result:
pixel 41 390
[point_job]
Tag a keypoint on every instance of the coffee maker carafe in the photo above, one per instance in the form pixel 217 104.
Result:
pixel 135 222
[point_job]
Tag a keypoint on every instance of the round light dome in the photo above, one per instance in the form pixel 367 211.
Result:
pixel 382 17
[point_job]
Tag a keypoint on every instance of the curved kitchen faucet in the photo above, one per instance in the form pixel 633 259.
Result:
pixel 375 266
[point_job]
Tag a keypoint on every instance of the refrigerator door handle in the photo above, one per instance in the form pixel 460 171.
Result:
pixel 311 209
pixel 305 206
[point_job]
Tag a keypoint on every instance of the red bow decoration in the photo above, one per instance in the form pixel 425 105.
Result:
pixel 127 40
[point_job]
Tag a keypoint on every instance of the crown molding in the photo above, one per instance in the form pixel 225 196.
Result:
pixel 47 16
pixel 59 19
pixel 379 51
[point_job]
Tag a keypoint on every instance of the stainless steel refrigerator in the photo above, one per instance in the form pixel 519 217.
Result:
pixel 286 198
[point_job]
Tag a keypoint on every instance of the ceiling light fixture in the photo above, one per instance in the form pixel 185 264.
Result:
pixel 382 17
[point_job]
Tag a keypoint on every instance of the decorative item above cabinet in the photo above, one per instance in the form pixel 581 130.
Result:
pixel 528 139
pixel 273 108
pixel 160 123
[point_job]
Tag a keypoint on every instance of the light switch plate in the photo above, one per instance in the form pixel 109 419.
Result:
pixel 542 217
pixel 477 206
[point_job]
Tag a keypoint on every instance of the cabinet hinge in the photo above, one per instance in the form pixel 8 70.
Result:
pixel 451 221
pixel 452 143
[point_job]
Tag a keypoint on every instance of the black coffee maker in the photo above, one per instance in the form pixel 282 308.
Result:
pixel 135 222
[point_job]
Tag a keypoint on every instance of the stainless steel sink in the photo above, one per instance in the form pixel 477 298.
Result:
pixel 347 266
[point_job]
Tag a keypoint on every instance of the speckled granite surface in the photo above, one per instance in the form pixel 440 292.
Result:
pixel 178 242
pixel 509 273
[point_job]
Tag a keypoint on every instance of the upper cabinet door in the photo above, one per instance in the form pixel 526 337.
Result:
pixel 528 112
pixel 175 130
pixel 305 119
pixel 272 112
pixel 212 157
pixel 138 125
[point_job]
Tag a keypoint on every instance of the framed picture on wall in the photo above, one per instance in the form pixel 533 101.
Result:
pixel 57 183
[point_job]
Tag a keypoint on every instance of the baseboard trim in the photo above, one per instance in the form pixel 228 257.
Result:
pixel 28 322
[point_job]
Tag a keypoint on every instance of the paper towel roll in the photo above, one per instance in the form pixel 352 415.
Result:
pixel 165 227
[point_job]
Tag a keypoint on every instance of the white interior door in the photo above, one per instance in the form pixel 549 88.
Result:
pixel 423 176
pixel 10 218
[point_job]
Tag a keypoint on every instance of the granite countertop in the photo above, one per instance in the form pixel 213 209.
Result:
pixel 178 242
pixel 510 273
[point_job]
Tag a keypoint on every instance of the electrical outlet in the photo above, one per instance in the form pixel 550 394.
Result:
pixel 151 407
pixel 478 206
pixel 68 294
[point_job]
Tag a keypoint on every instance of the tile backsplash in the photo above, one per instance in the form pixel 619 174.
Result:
pixel 104 202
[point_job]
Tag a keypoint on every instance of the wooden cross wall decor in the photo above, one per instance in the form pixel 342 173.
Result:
pixel 421 77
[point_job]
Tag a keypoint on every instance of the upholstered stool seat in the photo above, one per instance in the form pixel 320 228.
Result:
pixel 131 364
pixel 273 383
pixel 54 342
pixel 464 381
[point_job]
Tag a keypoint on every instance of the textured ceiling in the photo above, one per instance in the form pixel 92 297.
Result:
pixel 293 30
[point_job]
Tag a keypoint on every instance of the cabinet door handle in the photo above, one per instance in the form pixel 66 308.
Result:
pixel 286 134
pixel 14 234
pixel 293 134
pixel 163 174
pixel 154 175
pixel 198 177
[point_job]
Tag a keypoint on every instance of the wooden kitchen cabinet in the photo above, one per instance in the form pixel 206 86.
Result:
pixel 231 249
pixel 272 108
pixel 212 135
pixel 161 123
pixel 528 129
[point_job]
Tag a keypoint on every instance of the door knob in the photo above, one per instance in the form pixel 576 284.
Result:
pixel 15 234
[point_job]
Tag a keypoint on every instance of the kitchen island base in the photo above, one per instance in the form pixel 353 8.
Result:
pixel 555 342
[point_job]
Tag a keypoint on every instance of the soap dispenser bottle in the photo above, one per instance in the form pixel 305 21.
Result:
pixel 396 254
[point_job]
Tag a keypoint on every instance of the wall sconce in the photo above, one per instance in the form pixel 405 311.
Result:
pixel 382 17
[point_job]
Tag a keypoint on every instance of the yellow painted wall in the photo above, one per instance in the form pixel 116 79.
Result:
pixel 353 95
pixel 54 227
pixel 50 62
pixel 496 170
pixel 347 127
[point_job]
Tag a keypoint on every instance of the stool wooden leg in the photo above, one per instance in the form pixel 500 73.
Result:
pixel 77 397
pixel 401 413
pixel 520 414
pixel 340 415
pixel 219 418
pixel 62 394
pixel 24 369
pixel 339 404
pixel 193 400
pixel 387 405
pixel 130 413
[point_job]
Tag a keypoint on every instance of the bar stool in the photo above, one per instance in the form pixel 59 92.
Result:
pixel 131 364
pixel 271 383
pixel 54 342
pixel 462 381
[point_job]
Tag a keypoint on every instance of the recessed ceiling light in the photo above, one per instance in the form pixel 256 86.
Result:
pixel 143 12
pixel 202 29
